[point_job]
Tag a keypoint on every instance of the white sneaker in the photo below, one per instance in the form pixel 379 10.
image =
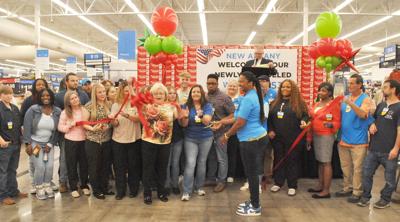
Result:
pixel 53 186
pixel 32 190
pixel 49 190
pixel 86 191
pixel 245 187
pixel 275 188
pixel 200 192
pixel 40 193
pixel 185 197
pixel 75 194
pixel 230 180
pixel 291 192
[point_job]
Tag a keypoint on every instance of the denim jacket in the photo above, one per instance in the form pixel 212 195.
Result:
pixel 31 121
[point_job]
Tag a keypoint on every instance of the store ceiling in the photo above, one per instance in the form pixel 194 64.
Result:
pixel 228 21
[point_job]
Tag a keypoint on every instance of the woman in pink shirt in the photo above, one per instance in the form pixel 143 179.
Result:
pixel 74 143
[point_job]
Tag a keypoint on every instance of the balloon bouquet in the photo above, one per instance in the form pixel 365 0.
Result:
pixel 163 48
pixel 330 53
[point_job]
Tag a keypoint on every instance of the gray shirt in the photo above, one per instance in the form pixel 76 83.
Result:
pixel 223 107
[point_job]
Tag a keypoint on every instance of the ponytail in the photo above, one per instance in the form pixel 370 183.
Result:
pixel 252 78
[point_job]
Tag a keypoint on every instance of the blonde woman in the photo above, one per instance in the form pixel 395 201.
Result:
pixel 112 94
pixel 98 142
pixel 126 144
pixel 74 143
pixel 156 142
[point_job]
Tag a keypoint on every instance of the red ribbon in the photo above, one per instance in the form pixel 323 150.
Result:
pixel 334 103
pixel 105 120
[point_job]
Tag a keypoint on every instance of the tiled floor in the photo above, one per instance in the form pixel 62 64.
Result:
pixel 212 207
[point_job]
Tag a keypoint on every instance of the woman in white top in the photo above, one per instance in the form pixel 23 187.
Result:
pixel 126 143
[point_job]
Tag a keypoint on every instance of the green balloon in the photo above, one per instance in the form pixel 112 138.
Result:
pixel 153 45
pixel 328 59
pixel 328 67
pixel 179 49
pixel 328 24
pixel 321 62
pixel 336 61
pixel 170 44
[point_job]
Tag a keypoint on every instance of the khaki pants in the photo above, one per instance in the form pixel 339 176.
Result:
pixel 351 161
pixel 268 160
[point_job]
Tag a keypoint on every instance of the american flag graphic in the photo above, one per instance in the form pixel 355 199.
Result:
pixel 204 55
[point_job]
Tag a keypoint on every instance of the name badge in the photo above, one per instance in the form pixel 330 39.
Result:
pixel 384 111
pixel 197 119
pixel 280 115
pixel 348 108
pixel 329 117
pixel 236 106
pixel 9 125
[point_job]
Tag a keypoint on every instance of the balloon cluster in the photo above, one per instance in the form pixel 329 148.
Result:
pixel 163 48
pixel 328 52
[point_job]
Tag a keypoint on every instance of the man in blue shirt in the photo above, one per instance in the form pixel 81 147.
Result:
pixel 269 95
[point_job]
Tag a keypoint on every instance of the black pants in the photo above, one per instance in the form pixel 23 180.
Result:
pixel 99 160
pixel 289 169
pixel 127 160
pixel 252 153
pixel 212 164
pixel 234 162
pixel 155 162
pixel 75 155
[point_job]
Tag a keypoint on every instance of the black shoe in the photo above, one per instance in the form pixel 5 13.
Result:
pixel 147 200
pixel 176 191
pixel 343 193
pixel 317 196
pixel 99 196
pixel 109 193
pixel 312 190
pixel 364 202
pixel 382 204
pixel 354 199
pixel 133 194
pixel 163 198
pixel 119 196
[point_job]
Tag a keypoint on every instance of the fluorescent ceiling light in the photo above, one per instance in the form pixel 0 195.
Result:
pixel 311 27
pixel 382 40
pixel 370 25
pixel 18 62
pixel 63 60
pixel 4 44
pixel 90 22
pixel 55 64
pixel 57 33
pixel 250 38
pixel 368 64
pixel 363 57
pixel 136 10
pixel 14 66
pixel 203 23
pixel 266 12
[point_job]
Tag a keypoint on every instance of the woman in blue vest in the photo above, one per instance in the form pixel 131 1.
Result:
pixel 248 125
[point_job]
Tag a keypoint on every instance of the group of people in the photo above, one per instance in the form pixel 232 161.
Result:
pixel 101 135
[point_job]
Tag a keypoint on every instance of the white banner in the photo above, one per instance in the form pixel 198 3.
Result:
pixel 228 63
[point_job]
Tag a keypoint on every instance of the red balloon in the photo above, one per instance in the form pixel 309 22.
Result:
pixel 344 48
pixel 326 47
pixel 161 56
pixel 154 60
pixel 164 21
pixel 168 62
pixel 314 50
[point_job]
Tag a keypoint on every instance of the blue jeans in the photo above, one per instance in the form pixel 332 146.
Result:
pixel 9 160
pixel 43 172
pixel 371 163
pixel 222 157
pixel 173 164
pixel 63 163
pixel 196 152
